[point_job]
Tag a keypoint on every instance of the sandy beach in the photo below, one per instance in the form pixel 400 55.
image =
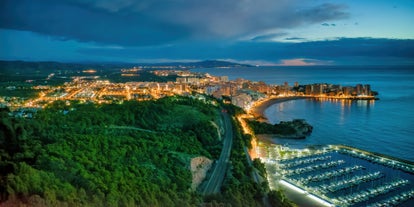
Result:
pixel 258 110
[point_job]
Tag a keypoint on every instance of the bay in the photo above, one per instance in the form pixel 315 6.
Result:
pixel 385 126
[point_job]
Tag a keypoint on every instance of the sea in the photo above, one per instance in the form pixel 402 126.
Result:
pixel 384 126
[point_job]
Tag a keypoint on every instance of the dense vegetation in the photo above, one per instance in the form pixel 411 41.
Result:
pixel 284 128
pixel 239 189
pixel 296 129
pixel 278 198
pixel 134 154
pixel 20 90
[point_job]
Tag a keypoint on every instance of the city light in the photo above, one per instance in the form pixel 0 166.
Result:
pixel 321 201
pixel 243 93
pixel 292 187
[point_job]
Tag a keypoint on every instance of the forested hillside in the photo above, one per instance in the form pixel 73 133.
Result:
pixel 133 154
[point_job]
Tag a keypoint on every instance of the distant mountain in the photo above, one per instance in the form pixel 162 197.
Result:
pixel 49 65
pixel 212 64
pixel 199 64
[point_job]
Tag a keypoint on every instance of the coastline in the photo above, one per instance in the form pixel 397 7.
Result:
pixel 258 109
pixel 297 194
pixel 258 113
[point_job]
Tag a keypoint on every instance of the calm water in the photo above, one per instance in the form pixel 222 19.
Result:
pixel 385 126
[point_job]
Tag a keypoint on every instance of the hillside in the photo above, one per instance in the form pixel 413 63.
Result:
pixel 295 129
pixel 134 154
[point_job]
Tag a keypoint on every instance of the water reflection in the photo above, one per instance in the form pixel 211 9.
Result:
pixel 349 122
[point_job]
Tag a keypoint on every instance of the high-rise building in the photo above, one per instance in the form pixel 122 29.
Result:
pixel 348 90
pixel 367 89
pixel 224 78
pixel 308 89
pixel 359 89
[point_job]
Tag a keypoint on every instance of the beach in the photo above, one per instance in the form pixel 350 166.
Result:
pixel 260 107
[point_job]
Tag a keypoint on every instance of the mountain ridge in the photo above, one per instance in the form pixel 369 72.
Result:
pixel 172 65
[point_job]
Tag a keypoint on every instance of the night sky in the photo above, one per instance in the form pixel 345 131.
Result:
pixel 264 32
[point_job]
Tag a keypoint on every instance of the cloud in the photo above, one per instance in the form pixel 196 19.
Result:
pixel 295 62
pixel 71 21
pixel 295 39
pixel 20 45
pixel 303 62
pixel 149 22
pixel 269 37
pixel 340 51
pixel 327 25
pixel 324 12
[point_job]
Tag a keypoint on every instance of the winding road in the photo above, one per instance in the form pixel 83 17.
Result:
pixel 213 184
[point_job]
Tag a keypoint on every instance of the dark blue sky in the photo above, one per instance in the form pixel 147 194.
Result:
pixel 265 32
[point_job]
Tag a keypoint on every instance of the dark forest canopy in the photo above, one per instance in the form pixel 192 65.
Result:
pixel 135 154
pixel 130 154
pixel 296 128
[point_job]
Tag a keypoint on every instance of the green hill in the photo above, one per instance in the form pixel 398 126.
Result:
pixel 134 154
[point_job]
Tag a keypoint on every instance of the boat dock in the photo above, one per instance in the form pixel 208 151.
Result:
pixel 338 175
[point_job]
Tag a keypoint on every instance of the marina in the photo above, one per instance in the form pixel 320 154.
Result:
pixel 336 175
pixel 331 174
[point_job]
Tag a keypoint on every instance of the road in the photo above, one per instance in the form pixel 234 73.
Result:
pixel 213 184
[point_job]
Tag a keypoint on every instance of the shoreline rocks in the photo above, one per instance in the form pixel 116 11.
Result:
pixel 295 129
pixel 302 129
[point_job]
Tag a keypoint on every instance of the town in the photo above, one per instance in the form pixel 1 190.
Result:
pixel 89 87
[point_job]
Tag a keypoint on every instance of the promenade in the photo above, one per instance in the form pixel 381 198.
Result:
pixel 259 107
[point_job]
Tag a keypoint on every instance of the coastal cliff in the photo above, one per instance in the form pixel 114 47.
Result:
pixel 295 129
